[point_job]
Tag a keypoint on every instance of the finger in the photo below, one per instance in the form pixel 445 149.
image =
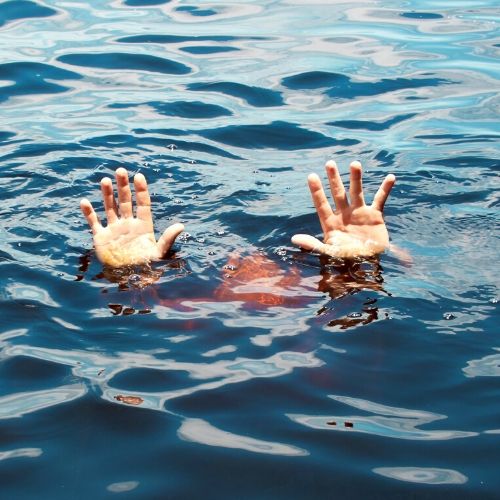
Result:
pixel 336 186
pixel 108 199
pixel 168 238
pixel 90 215
pixel 356 186
pixel 124 193
pixel 307 242
pixel 383 192
pixel 323 208
pixel 142 199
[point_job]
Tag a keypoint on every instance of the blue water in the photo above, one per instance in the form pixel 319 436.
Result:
pixel 378 379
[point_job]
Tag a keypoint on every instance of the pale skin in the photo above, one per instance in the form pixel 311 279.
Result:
pixel 127 239
pixel 353 229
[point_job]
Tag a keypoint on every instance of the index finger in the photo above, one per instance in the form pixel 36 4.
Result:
pixel 320 200
pixel 383 192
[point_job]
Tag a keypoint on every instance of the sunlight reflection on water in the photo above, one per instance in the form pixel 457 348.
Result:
pixel 226 108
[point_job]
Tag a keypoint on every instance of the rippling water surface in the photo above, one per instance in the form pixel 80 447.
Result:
pixel 250 369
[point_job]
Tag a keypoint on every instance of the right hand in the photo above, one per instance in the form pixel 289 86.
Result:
pixel 354 229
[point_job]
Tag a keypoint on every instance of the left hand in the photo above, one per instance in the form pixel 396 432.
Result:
pixel 354 229
pixel 127 240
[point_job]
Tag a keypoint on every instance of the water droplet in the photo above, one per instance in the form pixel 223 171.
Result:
pixel 184 236
pixel 281 251
pixel 134 280
pixel 494 300
pixel 220 232
pixel 178 201
pixel 449 316
pixel 211 252
pixel 230 267
pixel 354 315
pixel 200 240
pixel 172 147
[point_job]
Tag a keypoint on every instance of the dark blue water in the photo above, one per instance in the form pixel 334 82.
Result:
pixel 378 379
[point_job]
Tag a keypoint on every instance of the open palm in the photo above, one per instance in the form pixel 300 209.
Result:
pixel 127 240
pixel 354 229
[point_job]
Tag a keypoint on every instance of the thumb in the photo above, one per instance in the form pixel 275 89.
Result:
pixel 307 242
pixel 168 238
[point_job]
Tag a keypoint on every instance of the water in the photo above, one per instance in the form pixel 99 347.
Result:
pixel 378 380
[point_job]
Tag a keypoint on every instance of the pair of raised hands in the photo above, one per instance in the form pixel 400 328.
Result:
pixel 352 229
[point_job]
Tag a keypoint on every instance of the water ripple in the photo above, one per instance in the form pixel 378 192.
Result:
pixel 144 3
pixel 423 475
pixel 182 109
pixel 165 39
pixel 371 125
pixel 126 61
pixel 226 108
pixel 255 96
pixel 277 135
pixel 21 453
pixel 489 366
pixel 390 422
pixel 102 370
pixel 339 86
pixel 22 9
pixel 33 78
pixel 199 431
pixel 17 405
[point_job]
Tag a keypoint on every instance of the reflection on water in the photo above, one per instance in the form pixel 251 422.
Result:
pixel 350 277
pixel 202 432
pixel 390 422
pixel 101 370
pixel 21 452
pixel 254 283
pixel 236 340
pixel 425 475
pixel 17 405
pixel 489 366
pixel 125 485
